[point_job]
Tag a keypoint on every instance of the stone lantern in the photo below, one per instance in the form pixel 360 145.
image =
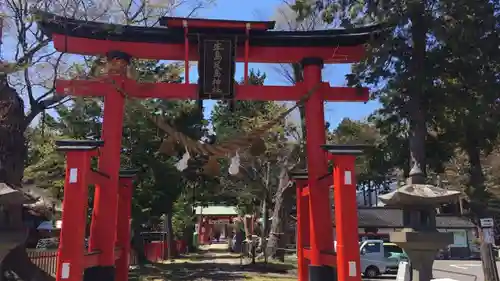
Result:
pixel 419 236
pixel 13 232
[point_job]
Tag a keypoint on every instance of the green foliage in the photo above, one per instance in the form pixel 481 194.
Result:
pixel 182 218
pixel 259 174
pixel 46 167
pixel 470 73
pixel 80 119
pixel 373 167
pixel 159 183
pixel 244 116
pixel 436 65
pixel 468 68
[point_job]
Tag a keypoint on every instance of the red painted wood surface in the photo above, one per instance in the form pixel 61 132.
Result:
pixel 161 51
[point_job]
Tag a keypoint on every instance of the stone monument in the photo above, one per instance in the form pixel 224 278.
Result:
pixel 419 237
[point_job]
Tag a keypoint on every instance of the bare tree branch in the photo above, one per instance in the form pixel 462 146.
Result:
pixel 28 55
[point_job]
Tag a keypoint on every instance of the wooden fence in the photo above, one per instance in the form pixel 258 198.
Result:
pixel 47 259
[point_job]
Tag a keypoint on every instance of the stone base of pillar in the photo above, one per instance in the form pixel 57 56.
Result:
pixel 322 273
pixel 421 248
pixel 100 273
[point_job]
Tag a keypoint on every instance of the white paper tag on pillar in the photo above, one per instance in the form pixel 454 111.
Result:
pixel 65 270
pixel 347 177
pixel 353 269
pixel 73 175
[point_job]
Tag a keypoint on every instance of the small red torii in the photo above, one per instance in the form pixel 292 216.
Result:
pixel 217 45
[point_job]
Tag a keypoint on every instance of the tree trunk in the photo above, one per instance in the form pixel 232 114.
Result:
pixel 488 262
pixel 478 196
pixel 277 224
pixel 138 244
pixel 265 215
pixel 370 194
pixel 13 152
pixel 477 179
pixel 187 236
pixel 285 223
pixel 265 227
pixel 417 112
pixel 169 229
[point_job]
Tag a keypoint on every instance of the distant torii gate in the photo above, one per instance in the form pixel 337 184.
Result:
pixel 217 45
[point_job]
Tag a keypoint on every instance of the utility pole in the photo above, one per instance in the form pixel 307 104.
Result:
pixel 1 34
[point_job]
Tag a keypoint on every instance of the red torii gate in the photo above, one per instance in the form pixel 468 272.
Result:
pixel 346 256
pixel 189 39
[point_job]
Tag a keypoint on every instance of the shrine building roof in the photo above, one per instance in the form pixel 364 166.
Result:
pixel 216 211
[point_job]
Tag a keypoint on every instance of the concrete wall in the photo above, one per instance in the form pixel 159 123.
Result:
pixel 463 241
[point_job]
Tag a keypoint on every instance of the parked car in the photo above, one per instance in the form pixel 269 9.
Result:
pixel 379 257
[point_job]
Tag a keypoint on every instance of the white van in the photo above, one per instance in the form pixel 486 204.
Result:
pixel 379 257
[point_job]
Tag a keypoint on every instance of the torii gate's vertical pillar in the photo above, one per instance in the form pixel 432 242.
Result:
pixel 70 263
pixel 320 215
pixel 346 210
pixel 104 216
pixel 123 223
pixel 302 228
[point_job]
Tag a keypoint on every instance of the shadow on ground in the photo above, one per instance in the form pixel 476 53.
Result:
pixel 210 254
pixel 212 271
pixel 213 250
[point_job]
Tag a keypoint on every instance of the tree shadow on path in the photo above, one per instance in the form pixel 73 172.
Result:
pixel 212 271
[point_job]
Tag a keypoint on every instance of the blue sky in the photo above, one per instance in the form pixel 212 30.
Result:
pixel 264 10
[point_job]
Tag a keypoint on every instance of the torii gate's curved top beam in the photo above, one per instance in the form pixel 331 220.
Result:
pixel 94 38
pixel 204 24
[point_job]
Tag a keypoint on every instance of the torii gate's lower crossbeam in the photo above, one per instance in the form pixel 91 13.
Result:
pixel 102 87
